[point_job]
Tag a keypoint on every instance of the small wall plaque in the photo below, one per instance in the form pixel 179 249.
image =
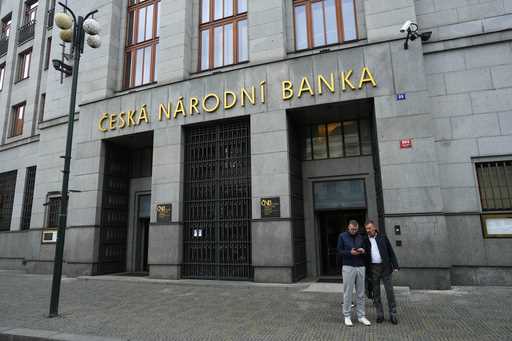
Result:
pixel 405 143
pixel 163 213
pixel 270 207
pixel 49 236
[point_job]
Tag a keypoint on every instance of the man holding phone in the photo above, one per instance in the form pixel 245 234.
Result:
pixel 350 247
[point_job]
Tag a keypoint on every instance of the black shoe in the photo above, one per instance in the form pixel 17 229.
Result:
pixel 394 320
pixel 380 319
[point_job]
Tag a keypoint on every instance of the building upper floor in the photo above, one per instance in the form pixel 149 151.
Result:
pixel 150 42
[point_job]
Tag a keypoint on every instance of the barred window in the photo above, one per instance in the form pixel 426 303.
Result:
pixel 337 139
pixel 324 22
pixel 223 33
pixel 7 188
pixel 495 184
pixel 52 210
pixel 495 187
pixel 142 36
pixel 28 196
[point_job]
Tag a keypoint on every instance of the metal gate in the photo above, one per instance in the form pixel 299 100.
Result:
pixel 217 202
pixel 114 212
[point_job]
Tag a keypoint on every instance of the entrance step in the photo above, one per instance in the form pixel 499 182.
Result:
pixel 198 282
pixel 338 288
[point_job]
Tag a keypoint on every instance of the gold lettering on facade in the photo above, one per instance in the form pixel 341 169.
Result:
pixel 131 120
pixel 162 109
pixel 286 90
pixel 180 108
pixel 192 105
pixel 122 121
pixel 112 122
pixel 205 102
pixel 250 96
pixel 143 116
pixel 319 85
pixel 262 91
pixel 366 76
pixel 103 118
pixel 305 86
pixel 227 104
pixel 321 81
pixel 345 80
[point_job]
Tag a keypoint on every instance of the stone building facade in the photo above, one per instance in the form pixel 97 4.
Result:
pixel 245 162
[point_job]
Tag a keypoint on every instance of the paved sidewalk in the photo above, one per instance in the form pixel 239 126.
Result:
pixel 135 309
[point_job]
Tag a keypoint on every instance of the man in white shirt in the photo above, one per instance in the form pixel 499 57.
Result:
pixel 382 261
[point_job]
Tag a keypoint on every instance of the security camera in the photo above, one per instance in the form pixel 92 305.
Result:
pixel 412 33
pixel 407 26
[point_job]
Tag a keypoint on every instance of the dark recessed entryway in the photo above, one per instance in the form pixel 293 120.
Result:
pixel 331 224
pixel 127 160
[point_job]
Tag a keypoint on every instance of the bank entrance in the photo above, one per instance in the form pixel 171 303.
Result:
pixel 217 201
pixel 125 205
pixel 340 173
pixel 331 224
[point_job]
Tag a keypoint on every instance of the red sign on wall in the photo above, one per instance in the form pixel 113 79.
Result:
pixel 405 143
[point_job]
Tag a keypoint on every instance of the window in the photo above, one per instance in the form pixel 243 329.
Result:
pixel 28 196
pixel 7 187
pixel 337 139
pixel 51 13
pixel 48 53
pixel 24 65
pixel 323 22
pixel 2 76
pixel 495 187
pixel 52 210
pixel 223 33
pixel 30 11
pixel 41 107
pixel 141 42
pixel 18 113
pixel 6 26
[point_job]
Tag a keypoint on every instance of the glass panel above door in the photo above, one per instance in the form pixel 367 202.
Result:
pixel 341 194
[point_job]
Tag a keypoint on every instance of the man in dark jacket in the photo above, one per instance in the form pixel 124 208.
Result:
pixel 350 247
pixel 381 259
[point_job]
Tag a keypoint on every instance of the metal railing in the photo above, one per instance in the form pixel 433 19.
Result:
pixel 4 44
pixel 26 32
pixel 51 14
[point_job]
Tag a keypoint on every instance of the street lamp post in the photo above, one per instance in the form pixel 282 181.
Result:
pixel 73 30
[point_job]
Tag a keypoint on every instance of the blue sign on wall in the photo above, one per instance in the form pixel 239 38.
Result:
pixel 401 97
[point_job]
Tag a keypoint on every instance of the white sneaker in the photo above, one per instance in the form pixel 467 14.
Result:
pixel 364 321
pixel 348 322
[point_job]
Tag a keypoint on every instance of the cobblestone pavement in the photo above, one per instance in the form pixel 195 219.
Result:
pixel 163 311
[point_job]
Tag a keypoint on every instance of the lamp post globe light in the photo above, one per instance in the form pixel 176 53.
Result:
pixel 73 30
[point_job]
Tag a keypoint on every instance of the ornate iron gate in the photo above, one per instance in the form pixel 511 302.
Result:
pixel 114 212
pixel 217 202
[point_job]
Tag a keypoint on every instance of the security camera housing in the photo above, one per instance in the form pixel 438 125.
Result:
pixel 406 26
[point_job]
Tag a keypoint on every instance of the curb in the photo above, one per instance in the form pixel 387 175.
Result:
pixel 209 283
pixel 24 334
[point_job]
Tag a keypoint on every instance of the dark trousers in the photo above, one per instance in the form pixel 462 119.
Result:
pixel 378 274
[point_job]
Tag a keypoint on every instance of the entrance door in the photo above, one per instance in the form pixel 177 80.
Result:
pixel 217 202
pixel 143 237
pixel 332 223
